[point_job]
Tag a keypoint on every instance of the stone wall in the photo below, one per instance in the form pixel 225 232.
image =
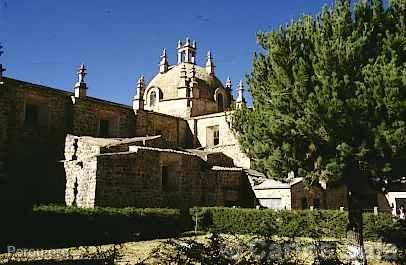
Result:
pixel 80 187
pixel 223 186
pixel 263 195
pixel 304 197
pixel 130 173
pixel 135 179
pixel 31 151
pixel 88 112
pixel 228 143
pixel 174 130
pixel 35 120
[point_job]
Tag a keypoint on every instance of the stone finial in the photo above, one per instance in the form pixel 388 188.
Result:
pixel 179 44
pixel 194 44
pixel 240 96
pixel 1 65
pixel 82 73
pixel 140 82
pixel 138 100
pixel 228 84
pixel 163 65
pixel 209 64
pixel 80 86
pixel 187 43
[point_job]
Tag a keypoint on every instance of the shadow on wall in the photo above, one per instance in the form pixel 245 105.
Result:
pixel 34 175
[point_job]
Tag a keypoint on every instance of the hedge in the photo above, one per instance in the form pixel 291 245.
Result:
pixel 296 223
pixel 59 226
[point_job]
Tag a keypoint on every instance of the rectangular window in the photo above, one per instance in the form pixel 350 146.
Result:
pixel 212 135
pixel 169 182
pixel 165 177
pixel 216 137
pixel 31 115
pixel 36 116
pixel 104 128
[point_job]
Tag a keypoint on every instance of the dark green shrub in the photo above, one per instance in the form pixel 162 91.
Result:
pixel 53 226
pixel 296 223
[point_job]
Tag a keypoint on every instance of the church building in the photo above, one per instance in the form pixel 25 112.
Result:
pixel 172 148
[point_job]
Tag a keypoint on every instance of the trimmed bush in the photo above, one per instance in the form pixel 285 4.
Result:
pixel 58 226
pixel 296 223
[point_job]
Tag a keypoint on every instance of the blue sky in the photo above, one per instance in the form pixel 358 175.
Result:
pixel 46 40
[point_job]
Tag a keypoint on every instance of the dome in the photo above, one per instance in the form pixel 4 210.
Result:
pixel 169 81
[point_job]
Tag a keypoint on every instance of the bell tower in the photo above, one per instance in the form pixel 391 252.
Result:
pixel 187 52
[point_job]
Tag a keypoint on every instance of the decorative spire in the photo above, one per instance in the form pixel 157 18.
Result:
pixel 194 44
pixel 140 83
pixel 138 100
pixel 240 97
pixel 187 41
pixel 1 65
pixel 82 73
pixel 228 83
pixel 179 44
pixel 163 65
pixel 80 86
pixel 209 64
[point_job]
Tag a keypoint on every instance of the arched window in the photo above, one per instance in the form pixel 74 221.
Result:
pixel 220 102
pixel 152 98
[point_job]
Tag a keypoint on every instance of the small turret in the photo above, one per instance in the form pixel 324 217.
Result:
pixel 80 86
pixel 240 96
pixel 163 65
pixel 138 100
pixel 187 52
pixel 209 64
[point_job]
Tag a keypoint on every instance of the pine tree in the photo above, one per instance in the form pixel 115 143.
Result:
pixel 329 101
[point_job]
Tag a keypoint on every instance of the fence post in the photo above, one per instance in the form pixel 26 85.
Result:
pixel 341 209
pixel 196 224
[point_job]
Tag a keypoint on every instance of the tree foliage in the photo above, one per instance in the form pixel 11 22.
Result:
pixel 329 94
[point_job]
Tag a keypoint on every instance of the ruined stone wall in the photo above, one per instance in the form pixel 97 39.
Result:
pixel 135 179
pixel 174 130
pixel 88 112
pixel 81 183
